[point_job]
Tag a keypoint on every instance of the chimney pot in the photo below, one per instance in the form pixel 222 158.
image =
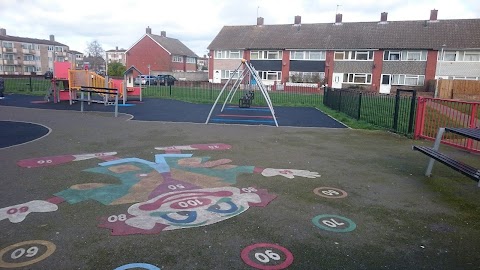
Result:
pixel 260 21
pixel 383 16
pixel 163 33
pixel 3 32
pixel 433 15
pixel 52 38
pixel 298 20
pixel 148 30
pixel 338 18
pixel 116 48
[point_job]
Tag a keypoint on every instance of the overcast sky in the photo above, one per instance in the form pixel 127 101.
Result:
pixel 196 22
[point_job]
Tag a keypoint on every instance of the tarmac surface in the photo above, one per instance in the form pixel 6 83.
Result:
pixel 266 198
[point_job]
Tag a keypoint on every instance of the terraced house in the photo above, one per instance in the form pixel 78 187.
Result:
pixel 377 56
pixel 26 56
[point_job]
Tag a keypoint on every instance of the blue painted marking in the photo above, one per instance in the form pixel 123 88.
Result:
pixel 126 105
pixel 137 265
pixel 126 160
pixel 248 109
pixel 240 120
pixel 161 165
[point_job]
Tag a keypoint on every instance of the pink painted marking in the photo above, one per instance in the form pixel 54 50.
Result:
pixel 246 116
pixel 56 200
pixel 188 195
pixel 45 161
pixel 211 146
pixel 170 185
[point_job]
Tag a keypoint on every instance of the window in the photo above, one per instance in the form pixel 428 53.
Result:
pixel 354 55
pixel 306 77
pixel 7 44
pixel 27 46
pixel 358 78
pixel 233 54
pixel 28 57
pixel 191 60
pixel 9 68
pixel 307 55
pixel 449 56
pixel 29 69
pixel 37 58
pixel 50 48
pixel 270 75
pixel 177 59
pixel 414 55
pixel 407 79
pixel 38 69
pixel 266 55
pixel 391 55
pixel 226 74
pixel 8 56
pixel 58 49
pixel 37 47
pixel 471 56
pixel 464 78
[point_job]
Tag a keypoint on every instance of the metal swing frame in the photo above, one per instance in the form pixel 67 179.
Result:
pixel 247 70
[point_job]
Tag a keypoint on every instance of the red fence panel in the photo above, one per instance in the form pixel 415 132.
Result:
pixel 434 113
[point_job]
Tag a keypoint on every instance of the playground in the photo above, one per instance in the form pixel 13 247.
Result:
pixel 94 191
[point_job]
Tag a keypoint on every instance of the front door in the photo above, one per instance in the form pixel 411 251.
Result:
pixel 337 80
pixel 217 76
pixel 386 84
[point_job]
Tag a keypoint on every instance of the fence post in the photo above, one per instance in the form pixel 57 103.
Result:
pixel 472 124
pixel 359 105
pixel 396 112
pixel 340 101
pixel 30 84
pixel 412 112
pixel 325 95
pixel 419 119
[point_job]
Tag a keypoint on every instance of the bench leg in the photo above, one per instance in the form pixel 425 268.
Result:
pixel 436 145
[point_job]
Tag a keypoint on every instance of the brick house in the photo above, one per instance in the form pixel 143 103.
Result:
pixel 159 53
pixel 377 56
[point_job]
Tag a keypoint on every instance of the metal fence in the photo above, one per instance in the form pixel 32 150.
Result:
pixel 396 113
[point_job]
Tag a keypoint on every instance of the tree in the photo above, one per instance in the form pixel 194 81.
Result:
pixel 116 69
pixel 96 54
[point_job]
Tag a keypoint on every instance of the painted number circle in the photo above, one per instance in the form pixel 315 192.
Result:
pixel 136 266
pixel 331 193
pixel 334 223
pixel 25 253
pixel 267 256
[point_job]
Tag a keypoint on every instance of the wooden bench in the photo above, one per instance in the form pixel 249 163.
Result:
pixel 435 155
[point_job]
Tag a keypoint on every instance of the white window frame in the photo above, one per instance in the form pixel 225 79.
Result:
pixel 7 44
pixel 304 76
pixel 28 57
pixel 352 78
pixel 229 54
pixel 411 56
pixel 177 59
pixel 6 68
pixel 472 53
pixel 401 79
pixel 225 74
pixel 266 55
pixel 191 60
pixel 353 55
pixel 270 75
pixel 307 55
pixel 388 55
pixel 29 69
pixel 28 46
pixel 50 48
pixel 9 56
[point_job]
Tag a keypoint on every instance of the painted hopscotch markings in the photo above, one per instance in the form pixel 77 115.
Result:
pixel 246 116
pixel 267 256
pixel 25 253
pixel 334 223
pixel 242 120
pixel 55 160
pixel 136 266
pixel 330 192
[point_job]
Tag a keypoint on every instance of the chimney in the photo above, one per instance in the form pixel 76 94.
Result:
pixel 116 48
pixel 260 21
pixel 383 17
pixel 338 18
pixel 433 15
pixel 163 33
pixel 148 30
pixel 298 20
pixel 3 32
pixel 52 38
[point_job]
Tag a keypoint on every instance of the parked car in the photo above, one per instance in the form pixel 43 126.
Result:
pixel 166 80
pixel 146 80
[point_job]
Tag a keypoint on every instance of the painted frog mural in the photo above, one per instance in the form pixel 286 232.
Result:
pixel 174 191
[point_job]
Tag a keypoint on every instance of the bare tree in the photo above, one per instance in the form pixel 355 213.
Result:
pixel 95 53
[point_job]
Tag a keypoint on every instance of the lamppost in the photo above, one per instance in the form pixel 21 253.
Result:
pixel 439 70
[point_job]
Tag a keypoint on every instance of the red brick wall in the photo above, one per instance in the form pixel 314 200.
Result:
pixel 148 52
pixel 432 57
pixel 190 67
pixel 377 69
pixel 178 66
pixel 210 65
pixel 329 67
pixel 285 66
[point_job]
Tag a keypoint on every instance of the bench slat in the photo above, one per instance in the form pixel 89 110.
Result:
pixel 461 167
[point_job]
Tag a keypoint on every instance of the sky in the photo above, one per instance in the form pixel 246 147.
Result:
pixel 122 23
